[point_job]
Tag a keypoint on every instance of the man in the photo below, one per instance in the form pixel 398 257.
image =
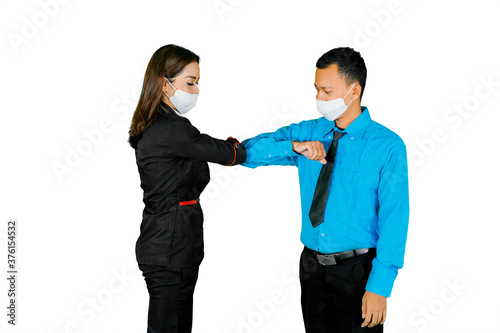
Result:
pixel 355 205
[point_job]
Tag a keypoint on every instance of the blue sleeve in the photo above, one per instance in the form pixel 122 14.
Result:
pixel 272 148
pixel 393 216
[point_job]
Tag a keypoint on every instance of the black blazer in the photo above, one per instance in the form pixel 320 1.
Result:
pixel 172 158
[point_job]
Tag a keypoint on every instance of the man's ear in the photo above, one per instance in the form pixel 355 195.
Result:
pixel 356 91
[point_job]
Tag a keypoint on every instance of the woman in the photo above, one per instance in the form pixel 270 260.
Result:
pixel 172 158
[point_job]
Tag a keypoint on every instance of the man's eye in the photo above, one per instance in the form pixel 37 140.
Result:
pixel 192 84
pixel 328 92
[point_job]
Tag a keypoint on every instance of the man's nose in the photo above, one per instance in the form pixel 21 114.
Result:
pixel 321 96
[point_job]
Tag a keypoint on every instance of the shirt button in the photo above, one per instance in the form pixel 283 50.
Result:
pixel 286 151
pixel 270 155
pixel 329 137
pixel 352 138
pixel 323 234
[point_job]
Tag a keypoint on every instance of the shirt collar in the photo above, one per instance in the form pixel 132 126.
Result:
pixel 355 129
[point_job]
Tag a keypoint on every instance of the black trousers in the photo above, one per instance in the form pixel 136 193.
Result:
pixel 170 297
pixel 331 295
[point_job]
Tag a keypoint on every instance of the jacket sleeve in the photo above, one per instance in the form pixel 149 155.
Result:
pixel 185 141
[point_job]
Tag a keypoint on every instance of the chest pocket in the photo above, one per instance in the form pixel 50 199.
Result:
pixel 367 181
pixel 366 197
pixel 356 192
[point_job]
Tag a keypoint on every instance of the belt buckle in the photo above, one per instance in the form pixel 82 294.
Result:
pixel 325 260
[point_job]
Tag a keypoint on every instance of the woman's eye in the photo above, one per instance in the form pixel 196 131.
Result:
pixel 190 84
pixel 328 92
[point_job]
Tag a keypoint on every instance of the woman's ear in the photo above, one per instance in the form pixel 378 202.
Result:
pixel 167 87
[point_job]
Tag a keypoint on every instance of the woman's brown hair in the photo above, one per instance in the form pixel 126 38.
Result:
pixel 168 61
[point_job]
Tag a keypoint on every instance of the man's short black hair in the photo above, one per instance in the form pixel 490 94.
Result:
pixel 351 65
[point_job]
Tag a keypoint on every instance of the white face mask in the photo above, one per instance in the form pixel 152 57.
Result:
pixel 182 100
pixel 333 109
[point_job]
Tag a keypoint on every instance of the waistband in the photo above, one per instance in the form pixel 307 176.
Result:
pixel 335 258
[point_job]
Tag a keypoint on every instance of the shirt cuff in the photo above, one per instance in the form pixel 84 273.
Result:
pixel 381 279
pixel 282 149
pixel 268 151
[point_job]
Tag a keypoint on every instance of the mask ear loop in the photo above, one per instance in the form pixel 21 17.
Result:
pixel 348 93
pixel 176 89
pixel 345 93
pixel 350 102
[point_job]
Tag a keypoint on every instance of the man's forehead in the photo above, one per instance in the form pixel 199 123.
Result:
pixel 328 77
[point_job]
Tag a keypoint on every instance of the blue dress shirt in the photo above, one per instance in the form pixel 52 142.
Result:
pixel 368 204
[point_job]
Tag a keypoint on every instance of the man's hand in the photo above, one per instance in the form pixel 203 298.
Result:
pixel 373 309
pixel 313 150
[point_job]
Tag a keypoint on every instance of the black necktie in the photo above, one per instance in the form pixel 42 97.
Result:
pixel 317 212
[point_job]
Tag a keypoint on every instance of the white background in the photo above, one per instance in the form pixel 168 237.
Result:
pixel 70 67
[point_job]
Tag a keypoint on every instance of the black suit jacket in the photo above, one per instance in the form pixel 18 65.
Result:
pixel 172 158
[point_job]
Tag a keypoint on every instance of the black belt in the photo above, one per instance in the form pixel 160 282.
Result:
pixel 334 258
